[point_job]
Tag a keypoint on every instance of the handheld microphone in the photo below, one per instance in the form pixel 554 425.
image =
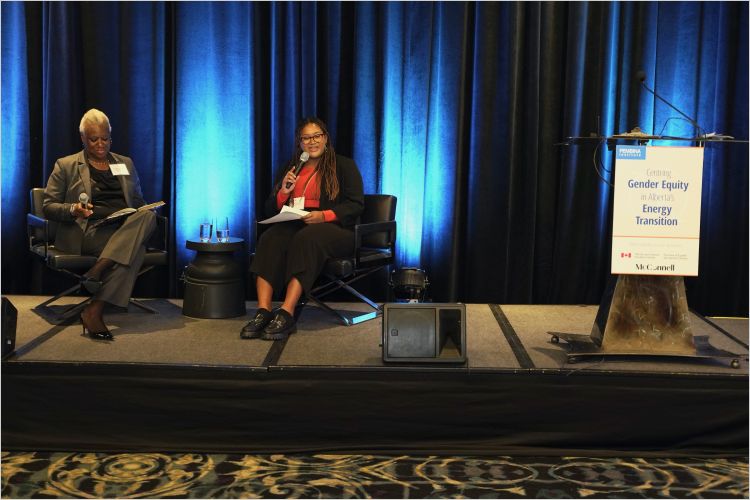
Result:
pixel 302 159
pixel 641 76
pixel 83 199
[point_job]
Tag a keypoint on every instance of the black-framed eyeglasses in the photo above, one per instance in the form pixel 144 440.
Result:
pixel 309 139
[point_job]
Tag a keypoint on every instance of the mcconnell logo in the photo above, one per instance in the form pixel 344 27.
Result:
pixel 655 267
pixel 625 254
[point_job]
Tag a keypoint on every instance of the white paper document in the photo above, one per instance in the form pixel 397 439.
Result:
pixel 287 213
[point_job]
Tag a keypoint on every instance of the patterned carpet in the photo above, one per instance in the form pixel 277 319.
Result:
pixel 155 475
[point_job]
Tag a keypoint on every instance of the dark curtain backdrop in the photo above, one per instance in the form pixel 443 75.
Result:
pixel 456 108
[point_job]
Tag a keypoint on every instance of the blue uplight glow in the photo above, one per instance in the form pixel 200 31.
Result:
pixel 443 131
pixel 15 125
pixel 392 135
pixel 609 114
pixel 213 126
pixel 16 133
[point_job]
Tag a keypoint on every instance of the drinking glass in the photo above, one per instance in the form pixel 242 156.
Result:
pixel 207 227
pixel 222 230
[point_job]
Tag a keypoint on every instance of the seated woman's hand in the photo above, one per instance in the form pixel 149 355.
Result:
pixel 315 217
pixel 79 211
pixel 289 179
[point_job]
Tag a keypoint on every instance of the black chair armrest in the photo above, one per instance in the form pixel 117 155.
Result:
pixel 374 227
pixel 160 239
pixel 35 222
pixel 362 230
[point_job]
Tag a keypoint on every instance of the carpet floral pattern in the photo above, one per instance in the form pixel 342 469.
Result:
pixel 194 475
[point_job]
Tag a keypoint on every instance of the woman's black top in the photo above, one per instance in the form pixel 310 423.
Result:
pixel 106 193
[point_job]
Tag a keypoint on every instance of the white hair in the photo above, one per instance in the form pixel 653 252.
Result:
pixel 95 117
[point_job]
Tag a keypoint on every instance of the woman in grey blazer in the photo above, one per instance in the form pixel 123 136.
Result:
pixel 89 186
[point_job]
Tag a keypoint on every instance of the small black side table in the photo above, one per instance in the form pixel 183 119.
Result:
pixel 214 282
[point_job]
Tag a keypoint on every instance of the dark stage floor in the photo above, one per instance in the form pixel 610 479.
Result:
pixel 169 382
pixel 174 339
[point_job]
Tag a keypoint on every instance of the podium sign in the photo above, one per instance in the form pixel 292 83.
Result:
pixel 657 210
pixel 655 240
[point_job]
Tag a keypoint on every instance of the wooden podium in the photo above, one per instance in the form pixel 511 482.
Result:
pixel 646 317
pixel 642 315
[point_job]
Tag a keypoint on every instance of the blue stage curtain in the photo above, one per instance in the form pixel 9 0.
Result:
pixel 456 108
pixel 61 59
pixel 213 92
pixel 17 143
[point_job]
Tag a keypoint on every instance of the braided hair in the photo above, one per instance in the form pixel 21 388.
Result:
pixel 327 164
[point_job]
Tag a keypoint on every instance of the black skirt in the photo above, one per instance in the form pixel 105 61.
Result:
pixel 295 249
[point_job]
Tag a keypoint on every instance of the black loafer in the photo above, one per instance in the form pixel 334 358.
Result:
pixel 281 327
pixel 254 329
pixel 90 284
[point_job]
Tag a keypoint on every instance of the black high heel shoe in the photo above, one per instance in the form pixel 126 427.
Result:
pixel 90 284
pixel 105 335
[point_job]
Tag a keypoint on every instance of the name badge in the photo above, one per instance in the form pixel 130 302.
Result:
pixel 299 202
pixel 119 169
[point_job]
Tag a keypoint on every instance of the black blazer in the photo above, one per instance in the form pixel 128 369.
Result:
pixel 347 206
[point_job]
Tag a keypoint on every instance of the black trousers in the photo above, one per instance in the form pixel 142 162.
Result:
pixel 295 249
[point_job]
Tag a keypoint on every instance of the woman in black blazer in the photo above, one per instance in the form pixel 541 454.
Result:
pixel 291 255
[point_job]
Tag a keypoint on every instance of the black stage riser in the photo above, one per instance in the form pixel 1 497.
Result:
pixel 100 407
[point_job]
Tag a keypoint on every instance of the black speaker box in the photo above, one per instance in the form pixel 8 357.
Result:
pixel 10 318
pixel 424 333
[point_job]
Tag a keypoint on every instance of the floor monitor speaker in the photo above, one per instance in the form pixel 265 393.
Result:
pixel 10 318
pixel 424 333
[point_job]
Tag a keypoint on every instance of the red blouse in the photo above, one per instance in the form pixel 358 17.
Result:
pixel 308 185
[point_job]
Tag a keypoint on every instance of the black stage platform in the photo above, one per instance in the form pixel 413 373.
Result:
pixel 173 383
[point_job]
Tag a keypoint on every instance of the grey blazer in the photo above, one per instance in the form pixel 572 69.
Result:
pixel 68 180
